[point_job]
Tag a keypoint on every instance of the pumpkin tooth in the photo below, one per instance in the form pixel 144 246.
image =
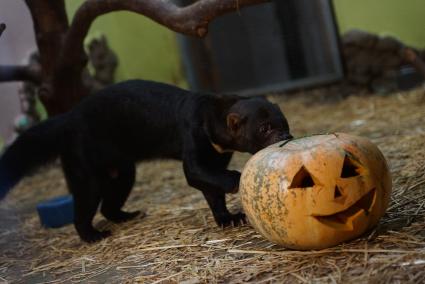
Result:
pixel 366 202
pixel 344 217
pixel 337 192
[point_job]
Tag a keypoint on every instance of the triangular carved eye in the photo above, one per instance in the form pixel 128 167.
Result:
pixel 350 168
pixel 337 192
pixel 302 179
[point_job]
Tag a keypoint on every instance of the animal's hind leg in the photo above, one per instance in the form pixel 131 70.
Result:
pixel 115 192
pixel 84 185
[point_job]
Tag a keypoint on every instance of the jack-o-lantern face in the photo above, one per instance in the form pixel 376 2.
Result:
pixel 317 191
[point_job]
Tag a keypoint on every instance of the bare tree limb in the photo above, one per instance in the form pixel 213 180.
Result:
pixel 9 73
pixel 2 28
pixel 191 20
pixel 50 25
pixel 60 45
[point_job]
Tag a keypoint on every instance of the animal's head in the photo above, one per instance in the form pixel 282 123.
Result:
pixel 256 123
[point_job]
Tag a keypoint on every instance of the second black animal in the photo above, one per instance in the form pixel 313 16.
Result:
pixel 102 138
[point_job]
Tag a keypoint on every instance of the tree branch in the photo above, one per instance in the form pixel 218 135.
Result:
pixel 50 25
pixel 191 20
pixel 9 73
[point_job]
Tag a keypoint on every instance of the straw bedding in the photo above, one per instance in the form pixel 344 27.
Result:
pixel 177 240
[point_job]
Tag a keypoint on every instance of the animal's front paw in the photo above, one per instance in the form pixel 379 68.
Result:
pixel 228 219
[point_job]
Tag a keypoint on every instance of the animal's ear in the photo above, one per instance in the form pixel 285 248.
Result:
pixel 233 122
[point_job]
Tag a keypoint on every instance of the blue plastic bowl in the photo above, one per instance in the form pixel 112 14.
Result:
pixel 57 212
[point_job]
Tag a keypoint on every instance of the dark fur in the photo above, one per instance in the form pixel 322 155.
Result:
pixel 102 138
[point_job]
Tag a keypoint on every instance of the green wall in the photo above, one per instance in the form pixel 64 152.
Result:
pixel 148 50
pixel 404 19
pixel 145 49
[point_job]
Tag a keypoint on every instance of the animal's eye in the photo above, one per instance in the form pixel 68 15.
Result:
pixel 265 128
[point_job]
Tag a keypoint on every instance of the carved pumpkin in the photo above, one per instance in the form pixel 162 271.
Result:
pixel 317 191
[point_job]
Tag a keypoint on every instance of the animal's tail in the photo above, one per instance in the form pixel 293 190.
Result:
pixel 33 148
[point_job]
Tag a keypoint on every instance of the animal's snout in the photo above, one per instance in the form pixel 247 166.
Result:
pixel 287 136
pixel 279 137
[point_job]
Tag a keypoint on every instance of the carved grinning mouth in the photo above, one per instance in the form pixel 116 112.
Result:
pixel 343 219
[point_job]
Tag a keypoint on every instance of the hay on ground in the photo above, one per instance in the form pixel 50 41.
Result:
pixel 178 241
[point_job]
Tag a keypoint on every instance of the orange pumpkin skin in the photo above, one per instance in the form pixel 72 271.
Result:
pixel 316 192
